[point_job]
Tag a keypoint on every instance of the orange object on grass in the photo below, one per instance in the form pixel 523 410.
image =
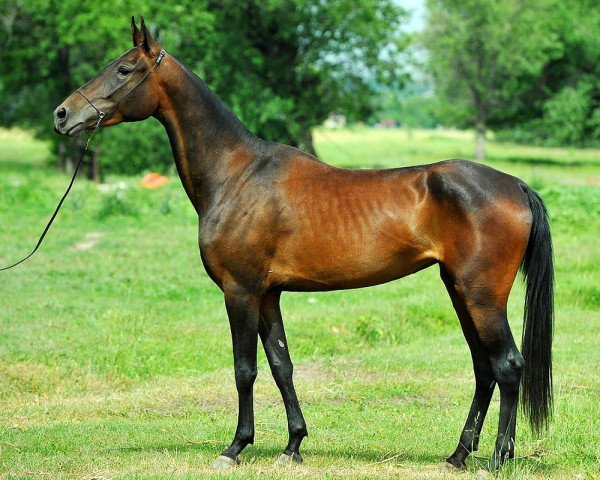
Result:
pixel 154 180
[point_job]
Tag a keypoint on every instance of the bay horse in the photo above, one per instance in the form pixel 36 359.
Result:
pixel 273 218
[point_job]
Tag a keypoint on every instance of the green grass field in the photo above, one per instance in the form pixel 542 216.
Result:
pixel 115 356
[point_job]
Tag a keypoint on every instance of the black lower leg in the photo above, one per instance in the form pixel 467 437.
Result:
pixel 243 319
pixel 244 434
pixel 272 334
pixel 484 377
pixel 484 389
pixel 507 368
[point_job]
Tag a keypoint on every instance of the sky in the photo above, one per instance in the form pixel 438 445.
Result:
pixel 417 12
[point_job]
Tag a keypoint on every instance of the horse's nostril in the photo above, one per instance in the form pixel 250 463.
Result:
pixel 62 113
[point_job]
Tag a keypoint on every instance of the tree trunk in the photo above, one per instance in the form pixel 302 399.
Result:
pixel 305 142
pixel 62 156
pixel 480 139
pixel 72 156
pixel 94 169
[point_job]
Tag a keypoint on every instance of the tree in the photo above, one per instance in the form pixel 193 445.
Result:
pixel 281 65
pixel 484 54
pixel 284 66
pixel 51 48
pixel 563 107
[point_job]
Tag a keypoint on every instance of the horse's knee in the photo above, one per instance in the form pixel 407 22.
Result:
pixel 508 369
pixel 245 376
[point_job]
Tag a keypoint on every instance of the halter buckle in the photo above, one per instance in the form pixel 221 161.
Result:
pixel 160 57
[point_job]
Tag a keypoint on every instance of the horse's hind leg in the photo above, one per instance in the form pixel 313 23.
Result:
pixel 508 364
pixel 484 381
pixel 485 302
pixel 273 338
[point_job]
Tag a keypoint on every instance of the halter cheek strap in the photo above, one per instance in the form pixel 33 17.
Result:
pixel 101 114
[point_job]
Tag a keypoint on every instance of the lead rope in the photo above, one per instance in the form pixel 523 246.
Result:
pixel 41 239
pixel 101 116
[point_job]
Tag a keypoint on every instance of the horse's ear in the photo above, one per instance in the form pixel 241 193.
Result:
pixel 138 37
pixel 149 43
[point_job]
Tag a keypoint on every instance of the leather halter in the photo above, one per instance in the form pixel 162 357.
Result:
pixel 101 114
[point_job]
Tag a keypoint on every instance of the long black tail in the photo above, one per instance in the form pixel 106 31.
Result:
pixel 538 321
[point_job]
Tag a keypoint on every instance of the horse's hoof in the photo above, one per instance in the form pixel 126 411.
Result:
pixel 454 465
pixel 285 459
pixel 223 462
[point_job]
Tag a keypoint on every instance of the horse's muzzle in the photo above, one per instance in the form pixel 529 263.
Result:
pixel 60 119
pixel 64 124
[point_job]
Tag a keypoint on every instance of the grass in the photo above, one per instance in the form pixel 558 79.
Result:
pixel 115 353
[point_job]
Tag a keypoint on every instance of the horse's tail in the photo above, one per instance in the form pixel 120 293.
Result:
pixel 538 317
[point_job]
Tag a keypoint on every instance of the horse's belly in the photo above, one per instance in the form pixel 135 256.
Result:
pixel 331 267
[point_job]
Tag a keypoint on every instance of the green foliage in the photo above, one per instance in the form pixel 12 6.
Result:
pixel 502 64
pixel 282 66
pixel 483 54
pixel 572 102
pixel 578 204
pixel 131 148
pixel 370 329
pixel 565 115
pixel 49 49
pixel 116 203
pixel 411 108
pixel 565 106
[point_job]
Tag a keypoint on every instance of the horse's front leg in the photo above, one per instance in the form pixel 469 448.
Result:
pixel 272 334
pixel 243 312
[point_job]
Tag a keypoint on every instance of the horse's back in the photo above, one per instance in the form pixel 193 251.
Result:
pixel 352 228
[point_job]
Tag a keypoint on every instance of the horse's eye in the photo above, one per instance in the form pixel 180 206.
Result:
pixel 122 70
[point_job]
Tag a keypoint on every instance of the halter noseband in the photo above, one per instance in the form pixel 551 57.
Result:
pixel 101 115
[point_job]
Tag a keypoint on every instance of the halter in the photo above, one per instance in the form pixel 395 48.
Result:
pixel 101 116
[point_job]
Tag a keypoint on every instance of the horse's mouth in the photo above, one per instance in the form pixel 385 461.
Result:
pixel 75 129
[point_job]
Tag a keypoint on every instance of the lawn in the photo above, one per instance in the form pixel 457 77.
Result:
pixel 115 356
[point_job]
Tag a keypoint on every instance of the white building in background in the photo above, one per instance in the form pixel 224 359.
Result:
pixel 335 120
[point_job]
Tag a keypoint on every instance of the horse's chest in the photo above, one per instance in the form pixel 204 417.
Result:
pixel 233 252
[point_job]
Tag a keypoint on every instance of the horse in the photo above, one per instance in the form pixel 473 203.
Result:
pixel 273 218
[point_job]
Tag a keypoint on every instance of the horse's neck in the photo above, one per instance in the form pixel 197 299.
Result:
pixel 209 143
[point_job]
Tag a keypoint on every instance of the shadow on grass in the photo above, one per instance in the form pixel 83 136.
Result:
pixel 541 162
pixel 363 455
pixel 255 454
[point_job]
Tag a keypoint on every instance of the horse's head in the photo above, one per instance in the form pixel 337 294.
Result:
pixel 108 93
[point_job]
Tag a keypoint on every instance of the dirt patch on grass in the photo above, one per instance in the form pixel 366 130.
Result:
pixel 312 372
pixel 27 378
pixel 90 240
